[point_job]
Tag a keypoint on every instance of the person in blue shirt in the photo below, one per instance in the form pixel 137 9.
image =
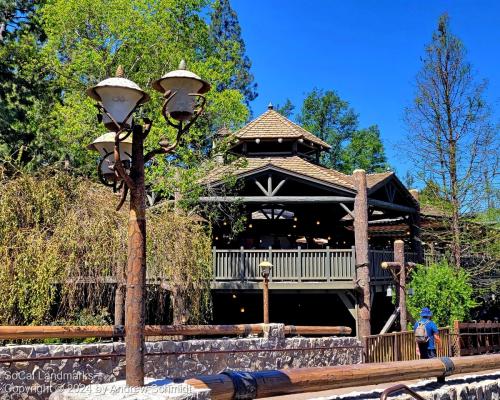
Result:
pixel 428 349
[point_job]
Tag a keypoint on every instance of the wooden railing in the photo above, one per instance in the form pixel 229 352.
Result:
pixel 118 331
pixel 400 346
pixel 288 265
pixel 477 338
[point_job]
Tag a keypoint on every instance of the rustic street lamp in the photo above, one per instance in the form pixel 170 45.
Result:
pixel 105 145
pixel 122 167
pixel 265 267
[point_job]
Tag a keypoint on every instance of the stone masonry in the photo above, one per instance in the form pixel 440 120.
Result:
pixel 37 379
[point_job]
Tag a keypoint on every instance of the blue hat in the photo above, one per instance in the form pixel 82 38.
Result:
pixel 426 312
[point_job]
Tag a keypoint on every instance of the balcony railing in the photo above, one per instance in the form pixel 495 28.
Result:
pixel 297 265
pixel 288 265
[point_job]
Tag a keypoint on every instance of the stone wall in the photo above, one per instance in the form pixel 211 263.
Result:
pixel 37 379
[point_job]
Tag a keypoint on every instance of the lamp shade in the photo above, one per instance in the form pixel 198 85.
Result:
pixel 119 96
pixel 265 266
pixel 105 145
pixel 183 83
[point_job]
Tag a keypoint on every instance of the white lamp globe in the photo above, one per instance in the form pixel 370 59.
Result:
pixel 105 145
pixel 119 96
pixel 183 83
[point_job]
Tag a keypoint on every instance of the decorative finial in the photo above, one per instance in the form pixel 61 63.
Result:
pixel 182 64
pixel 270 106
pixel 120 73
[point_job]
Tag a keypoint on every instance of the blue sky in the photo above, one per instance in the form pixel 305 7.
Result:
pixel 368 51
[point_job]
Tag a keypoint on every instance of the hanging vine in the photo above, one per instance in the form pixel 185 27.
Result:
pixel 62 243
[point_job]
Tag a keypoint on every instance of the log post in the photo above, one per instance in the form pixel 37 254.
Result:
pixel 136 268
pixel 362 261
pixel 119 303
pixel 120 295
pixel 399 257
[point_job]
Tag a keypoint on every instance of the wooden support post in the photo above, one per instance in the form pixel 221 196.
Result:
pixel 120 295
pixel 119 303
pixel 266 300
pixel 136 268
pixel 399 257
pixel 455 346
pixel 362 261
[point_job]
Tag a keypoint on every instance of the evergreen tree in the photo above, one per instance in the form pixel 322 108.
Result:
pixel 330 118
pixel 27 90
pixel 286 109
pixel 225 32
pixel 365 151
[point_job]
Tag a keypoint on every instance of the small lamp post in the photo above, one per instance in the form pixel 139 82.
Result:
pixel 265 267
pixel 122 167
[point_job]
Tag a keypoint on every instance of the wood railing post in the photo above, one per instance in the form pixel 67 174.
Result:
pixel 214 261
pixel 328 264
pixel 242 263
pixel 270 259
pixel 299 263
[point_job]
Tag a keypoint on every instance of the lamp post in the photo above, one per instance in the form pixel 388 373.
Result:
pixel 265 267
pixel 122 167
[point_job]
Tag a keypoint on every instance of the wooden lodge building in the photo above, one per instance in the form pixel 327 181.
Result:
pixel 322 230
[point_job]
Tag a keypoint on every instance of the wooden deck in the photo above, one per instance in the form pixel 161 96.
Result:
pixel 294 268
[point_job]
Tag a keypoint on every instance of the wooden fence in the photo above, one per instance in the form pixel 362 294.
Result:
pixel 400 346
pixel 478 338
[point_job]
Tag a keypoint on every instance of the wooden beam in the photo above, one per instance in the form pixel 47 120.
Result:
pixel 350 305
pixel 347 210
pixel 108 331
pixel 391 206
pixel 276 199
pixel 261 187
pixel 390 321
pixel 278 187
pixel 303 380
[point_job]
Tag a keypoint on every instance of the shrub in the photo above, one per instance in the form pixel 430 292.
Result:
pixel 444 289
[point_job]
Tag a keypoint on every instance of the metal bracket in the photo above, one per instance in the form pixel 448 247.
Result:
pixel 245 385
pixel 118 330
pixel 448 364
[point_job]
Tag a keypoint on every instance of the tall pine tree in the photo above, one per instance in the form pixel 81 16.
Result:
pixel 225 32
pixel 26 89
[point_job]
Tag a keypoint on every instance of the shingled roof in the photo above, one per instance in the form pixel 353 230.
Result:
pixel 273 125
pixel 294 165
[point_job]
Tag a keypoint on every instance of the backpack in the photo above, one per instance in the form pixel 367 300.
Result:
pixel 421 333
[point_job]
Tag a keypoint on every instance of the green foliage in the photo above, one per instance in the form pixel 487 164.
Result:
pixel 180 251
pixel 26 87
pixel 83 317
pixel 330 118
pixel 444 289
pixel 225 32
pixel 365 151
pixel 286 109
pixel 57 231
